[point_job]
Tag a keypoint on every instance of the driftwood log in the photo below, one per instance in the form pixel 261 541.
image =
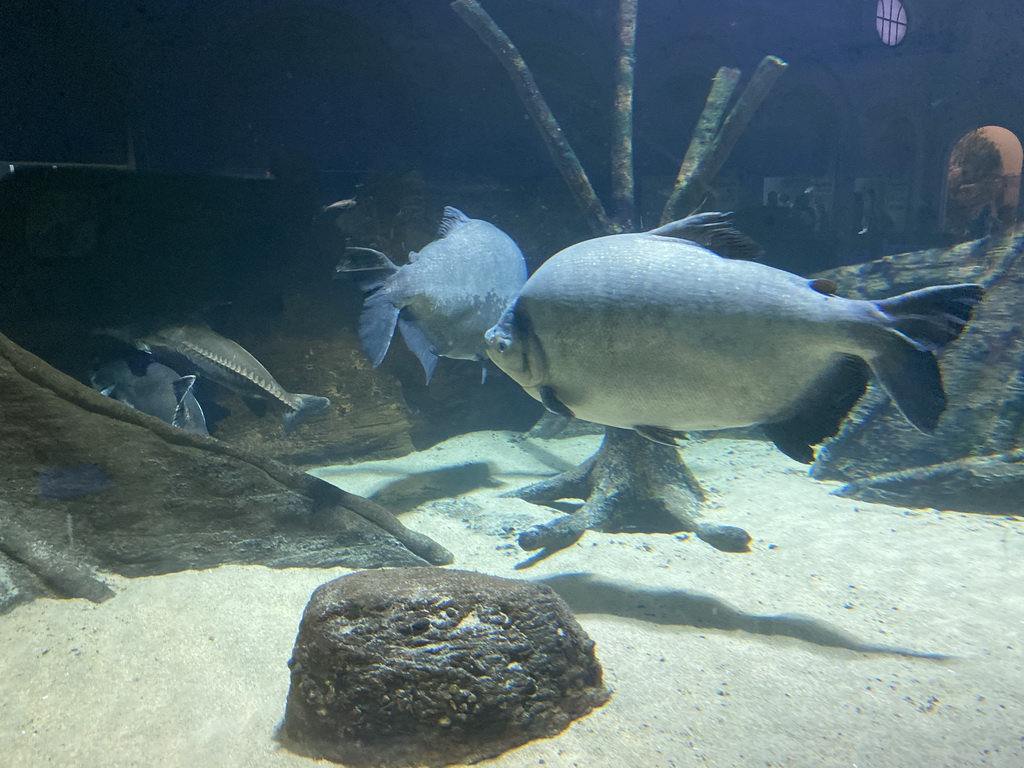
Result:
pixel 628 474
pixel 91 484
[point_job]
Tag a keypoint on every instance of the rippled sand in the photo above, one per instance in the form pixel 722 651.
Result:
pixel 822 647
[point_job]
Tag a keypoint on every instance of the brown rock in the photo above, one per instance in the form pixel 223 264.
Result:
pixel 428 667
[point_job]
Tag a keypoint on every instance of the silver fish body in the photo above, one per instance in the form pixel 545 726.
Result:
pixel 654 332
pixel 159 391
pixel 445 298
pixel 228 363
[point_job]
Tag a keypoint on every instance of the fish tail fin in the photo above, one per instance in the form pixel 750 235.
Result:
pixel 932 317
pixel 377 326
pixel 305 407
pixel 368 267
pixel 921 323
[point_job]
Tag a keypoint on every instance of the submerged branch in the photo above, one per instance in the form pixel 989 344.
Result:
pixel 704 135
pixel 714 156
pixel 623 202
pixel 565 158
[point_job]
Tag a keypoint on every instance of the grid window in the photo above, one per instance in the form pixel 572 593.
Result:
pixel 891 21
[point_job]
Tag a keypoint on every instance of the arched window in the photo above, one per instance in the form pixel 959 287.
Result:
pixel 983 183
pixel 891 21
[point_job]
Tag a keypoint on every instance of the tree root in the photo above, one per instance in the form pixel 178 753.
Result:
pixel 630 484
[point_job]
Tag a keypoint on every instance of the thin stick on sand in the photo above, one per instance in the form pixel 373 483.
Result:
pixel 563 155
pixel 710 157
pixel 623 201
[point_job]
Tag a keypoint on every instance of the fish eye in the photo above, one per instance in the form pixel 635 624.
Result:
pixel 502 345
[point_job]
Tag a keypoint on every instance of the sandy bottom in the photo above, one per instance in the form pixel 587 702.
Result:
pixel 822 647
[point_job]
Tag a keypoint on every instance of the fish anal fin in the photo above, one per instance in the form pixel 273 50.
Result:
pixel 715 232
pixel 418 343
pixel 451 220
pixel 553 404
pixel 821 409
pixel 659 435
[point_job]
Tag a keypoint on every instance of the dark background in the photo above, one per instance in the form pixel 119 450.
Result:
pixel 359 87
pixel 232 122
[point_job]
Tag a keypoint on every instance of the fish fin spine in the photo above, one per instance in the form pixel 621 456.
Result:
pixel 660 435
pixel 451 220
pixel 550 401
pixel 714 231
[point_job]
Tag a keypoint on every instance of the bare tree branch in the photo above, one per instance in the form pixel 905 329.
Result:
pixel 623 200
pixel 565 158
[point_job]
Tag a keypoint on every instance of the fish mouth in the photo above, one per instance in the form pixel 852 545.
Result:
pixel 498 338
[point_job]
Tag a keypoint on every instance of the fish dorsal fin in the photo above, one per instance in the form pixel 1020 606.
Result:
pixel 451 220
pixel 715 232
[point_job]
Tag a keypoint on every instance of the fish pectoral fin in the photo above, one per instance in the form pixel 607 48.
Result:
pixel 715 232
pixel 553 404
pixel 418 343
pixel 820 410
pixel 660 435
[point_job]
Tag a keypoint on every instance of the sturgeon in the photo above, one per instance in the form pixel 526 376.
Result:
pixel 229 364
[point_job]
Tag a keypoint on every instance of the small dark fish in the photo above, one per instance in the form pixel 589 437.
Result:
pixel 69 482
pixel 228 363
pixel 444 299
pixel 340 205
pixel 155 389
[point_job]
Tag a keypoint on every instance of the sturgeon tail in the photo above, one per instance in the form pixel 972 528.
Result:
pixel 306 407
pixel 921 323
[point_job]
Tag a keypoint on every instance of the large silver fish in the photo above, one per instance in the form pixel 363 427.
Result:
pixel 158 391
pixel 446 296
pixel 658 332
pixel 228 363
